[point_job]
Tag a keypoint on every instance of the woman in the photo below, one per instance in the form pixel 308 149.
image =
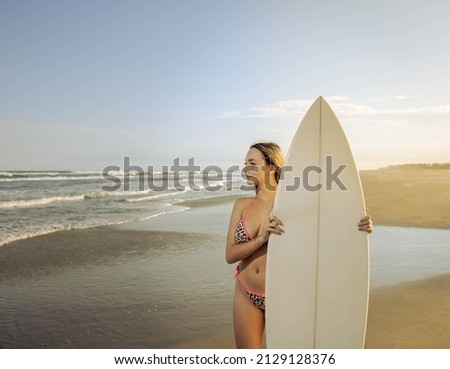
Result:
pixel 251 224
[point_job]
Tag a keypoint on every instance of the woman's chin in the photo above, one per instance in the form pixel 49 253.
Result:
pixel 253 185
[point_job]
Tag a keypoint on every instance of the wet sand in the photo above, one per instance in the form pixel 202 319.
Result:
pixel 109 287
pixel 410 315
pixel 164 283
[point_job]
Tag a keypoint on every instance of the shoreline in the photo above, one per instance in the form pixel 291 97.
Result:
pixel 395 196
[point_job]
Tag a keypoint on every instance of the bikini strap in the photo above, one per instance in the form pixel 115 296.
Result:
pixel 248 208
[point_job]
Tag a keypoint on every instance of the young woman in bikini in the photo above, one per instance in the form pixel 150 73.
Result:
pixel 250 226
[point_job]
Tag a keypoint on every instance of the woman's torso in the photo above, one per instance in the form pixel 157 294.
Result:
pixel 253 268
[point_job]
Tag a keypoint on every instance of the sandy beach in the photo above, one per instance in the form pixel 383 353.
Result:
pixel 164 282
pixel 410 195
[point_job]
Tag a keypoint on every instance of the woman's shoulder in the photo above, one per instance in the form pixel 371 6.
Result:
pixel 242 202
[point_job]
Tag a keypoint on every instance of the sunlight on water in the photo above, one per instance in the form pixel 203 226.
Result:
pixel 400 254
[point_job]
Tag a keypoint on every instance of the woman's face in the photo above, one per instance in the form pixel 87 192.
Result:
pixel 255 166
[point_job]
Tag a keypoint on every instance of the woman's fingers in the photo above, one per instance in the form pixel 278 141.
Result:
pixel 273 224
pixel 273 218
pixel 367 217
pixel 275 228
pixel 365 225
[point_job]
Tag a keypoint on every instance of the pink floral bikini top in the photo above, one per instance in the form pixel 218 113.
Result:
pixel 241 234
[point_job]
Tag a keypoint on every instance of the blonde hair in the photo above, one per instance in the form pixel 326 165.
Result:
pixel 273 155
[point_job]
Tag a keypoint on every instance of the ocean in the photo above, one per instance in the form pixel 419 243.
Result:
pixel 39 202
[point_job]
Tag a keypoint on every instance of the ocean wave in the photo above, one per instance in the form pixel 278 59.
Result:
pixel 157 196
pixel 126 194
pixel 38 202
pixel 179 210
pixel 103 194
pixel 52 229
pixel 29 234
pixel 129 196
pixel 59 228
pixel 34 173
pixel 49 178
pixel 61 175
pixel 6 174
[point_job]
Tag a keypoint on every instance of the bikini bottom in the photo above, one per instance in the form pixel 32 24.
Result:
pixel 258 299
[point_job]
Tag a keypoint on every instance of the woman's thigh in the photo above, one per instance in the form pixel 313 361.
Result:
pixel 248 321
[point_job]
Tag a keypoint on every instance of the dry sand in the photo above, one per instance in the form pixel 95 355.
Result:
pixel 412 196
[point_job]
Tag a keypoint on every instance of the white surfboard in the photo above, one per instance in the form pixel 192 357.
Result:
pixel 317 277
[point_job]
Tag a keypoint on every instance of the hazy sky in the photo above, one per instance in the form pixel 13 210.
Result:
pixel 85 83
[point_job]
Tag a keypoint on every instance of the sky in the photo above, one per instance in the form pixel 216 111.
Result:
pixel 84 84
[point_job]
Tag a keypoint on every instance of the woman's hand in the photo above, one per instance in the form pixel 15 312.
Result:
pixel 365 224
pixel 270 225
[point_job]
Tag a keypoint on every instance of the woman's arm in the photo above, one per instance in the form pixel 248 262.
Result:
pixel 237 252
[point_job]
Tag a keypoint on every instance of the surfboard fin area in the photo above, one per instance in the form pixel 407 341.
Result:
pixel 317 278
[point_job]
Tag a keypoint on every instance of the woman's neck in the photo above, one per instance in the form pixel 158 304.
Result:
pixel 266 195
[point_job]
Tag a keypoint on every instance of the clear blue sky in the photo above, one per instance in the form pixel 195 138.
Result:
pixel 85 83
